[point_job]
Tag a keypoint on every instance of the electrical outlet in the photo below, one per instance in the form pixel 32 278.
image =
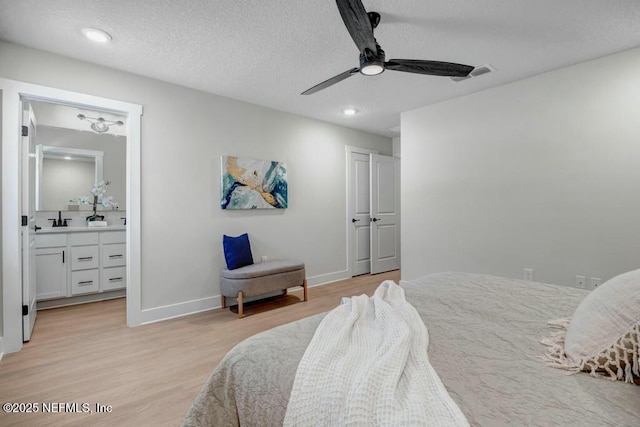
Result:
pixel 595 282
pixel 528 274
pixel 581 282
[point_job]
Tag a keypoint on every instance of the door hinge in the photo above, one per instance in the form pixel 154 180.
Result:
pixel 24 220
pixel 25 131
pixel 25 310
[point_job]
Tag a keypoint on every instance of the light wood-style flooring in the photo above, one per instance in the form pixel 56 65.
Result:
pixel 149 374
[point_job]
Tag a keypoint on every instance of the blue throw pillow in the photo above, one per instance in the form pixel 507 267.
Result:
pixel 237 251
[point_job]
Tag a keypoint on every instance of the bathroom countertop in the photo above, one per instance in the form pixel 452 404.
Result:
pixel 83 229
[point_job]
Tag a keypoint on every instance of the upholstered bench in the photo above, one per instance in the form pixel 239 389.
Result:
pixel 258 279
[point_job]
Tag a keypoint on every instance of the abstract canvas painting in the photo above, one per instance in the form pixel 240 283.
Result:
pixel 253 184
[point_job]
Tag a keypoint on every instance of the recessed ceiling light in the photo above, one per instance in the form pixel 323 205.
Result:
pixel 67 158
pixel 96 35
pixel 349 111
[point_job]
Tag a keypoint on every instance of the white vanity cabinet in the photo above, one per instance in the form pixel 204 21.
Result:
pixel 113 260
pixel 51 266
pixel 85 263
pixel 82 266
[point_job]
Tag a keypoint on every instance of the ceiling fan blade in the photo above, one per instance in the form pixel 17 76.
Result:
pixel 357 21
pixel 333 80
pixel 433 68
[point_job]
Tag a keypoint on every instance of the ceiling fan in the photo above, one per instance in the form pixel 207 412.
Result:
pixel 360 25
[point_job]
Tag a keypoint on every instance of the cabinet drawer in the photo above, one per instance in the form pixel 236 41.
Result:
pixel 84 257
pixel 114 255
pixel 114 278
pixel 113 237
pixel 85 281
pixel 78 239
pixel 51 240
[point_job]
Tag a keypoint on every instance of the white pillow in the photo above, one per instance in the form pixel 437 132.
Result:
pixel 603 336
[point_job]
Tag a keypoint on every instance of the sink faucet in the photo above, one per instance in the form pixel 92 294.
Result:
pixel 59 222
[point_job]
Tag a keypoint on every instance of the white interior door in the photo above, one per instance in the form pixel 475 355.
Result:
pixel 359 206
pixel 28 180
pixel 385 213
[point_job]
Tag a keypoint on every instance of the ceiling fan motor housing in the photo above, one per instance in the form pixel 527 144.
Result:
pixel 372 61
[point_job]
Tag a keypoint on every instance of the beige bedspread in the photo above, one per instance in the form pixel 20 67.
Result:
pixel 485 337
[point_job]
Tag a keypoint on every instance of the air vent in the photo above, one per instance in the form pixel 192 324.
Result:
pixel 477 72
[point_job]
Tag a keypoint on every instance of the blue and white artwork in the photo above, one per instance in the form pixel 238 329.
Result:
pixel 253 184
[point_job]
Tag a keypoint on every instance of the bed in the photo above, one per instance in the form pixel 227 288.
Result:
pixel 485 337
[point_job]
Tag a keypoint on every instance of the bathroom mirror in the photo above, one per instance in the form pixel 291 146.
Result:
pixel 64 173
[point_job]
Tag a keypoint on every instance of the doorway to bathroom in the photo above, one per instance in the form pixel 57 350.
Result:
pixel 91 254
pixel 75 159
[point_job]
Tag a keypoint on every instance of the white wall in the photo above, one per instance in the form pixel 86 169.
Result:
pixel 397 147
pixel 184 133
pixel 541 173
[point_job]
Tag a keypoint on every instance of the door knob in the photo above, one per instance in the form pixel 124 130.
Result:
pixel 375 219
pixel 36 228
pixel 354 220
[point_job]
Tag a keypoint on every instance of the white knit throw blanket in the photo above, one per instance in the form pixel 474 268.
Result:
pixel 367 365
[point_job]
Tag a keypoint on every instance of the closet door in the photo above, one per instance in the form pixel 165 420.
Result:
pixel 359 214
pixel 385 213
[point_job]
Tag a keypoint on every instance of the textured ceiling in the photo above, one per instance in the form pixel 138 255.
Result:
pixel 267 52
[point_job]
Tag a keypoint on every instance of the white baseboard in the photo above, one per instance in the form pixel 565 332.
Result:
pixel 1 350
pixel 166 312
pixel 172 311
pixel 325 279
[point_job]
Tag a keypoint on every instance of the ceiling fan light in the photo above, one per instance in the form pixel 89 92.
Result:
pixel 372 69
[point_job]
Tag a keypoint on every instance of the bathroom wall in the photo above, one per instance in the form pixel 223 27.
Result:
pixel 184 134
pixel 115 159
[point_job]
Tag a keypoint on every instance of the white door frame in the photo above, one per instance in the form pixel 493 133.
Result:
pixel 350 230
pixel 12 91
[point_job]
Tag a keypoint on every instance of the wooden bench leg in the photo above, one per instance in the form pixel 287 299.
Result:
pixel 240 307
pixel 223 301
pixel 304 285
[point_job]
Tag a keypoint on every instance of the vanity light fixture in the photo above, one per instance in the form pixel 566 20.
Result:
pixel 96 35
pixel 349 111
pixel 99 124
